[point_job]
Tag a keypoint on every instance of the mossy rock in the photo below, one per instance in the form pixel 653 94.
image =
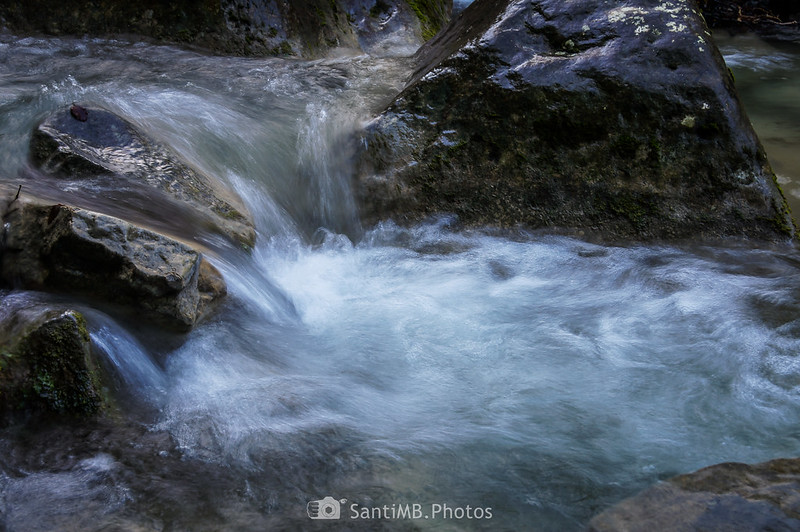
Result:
pixel 432 15
pixel 585 116
pixel 47 370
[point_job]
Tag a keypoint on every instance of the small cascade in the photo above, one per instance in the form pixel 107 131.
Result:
pixel 544 377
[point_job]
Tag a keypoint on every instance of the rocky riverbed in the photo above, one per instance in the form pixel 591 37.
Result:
pixel 234 286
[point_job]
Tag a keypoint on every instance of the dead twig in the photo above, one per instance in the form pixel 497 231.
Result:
pixel 761 15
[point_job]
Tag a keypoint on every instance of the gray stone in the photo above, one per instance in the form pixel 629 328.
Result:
pixel 620 119
pixel 61 247
pixel 724 497
pixel 105 144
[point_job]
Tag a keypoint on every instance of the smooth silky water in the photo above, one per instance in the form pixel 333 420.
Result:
pixel 768 80
pixel 541 376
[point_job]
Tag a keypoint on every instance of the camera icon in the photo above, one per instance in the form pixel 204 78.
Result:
pixel 327 508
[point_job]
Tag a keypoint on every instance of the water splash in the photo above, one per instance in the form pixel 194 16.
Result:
pixel 129 360
pixel 545 377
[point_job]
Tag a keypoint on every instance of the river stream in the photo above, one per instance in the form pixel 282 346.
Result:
pixel 536 378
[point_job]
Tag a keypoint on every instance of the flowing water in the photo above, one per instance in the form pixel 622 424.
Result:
pixel 768 80
pixel 535 379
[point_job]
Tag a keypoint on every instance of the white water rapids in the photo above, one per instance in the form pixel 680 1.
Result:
pixel 543 377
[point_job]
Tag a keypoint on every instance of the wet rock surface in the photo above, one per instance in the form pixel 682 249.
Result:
pixel 65 248
pixel 104 474
pixel 244 27
pixel 588 115
pixel 104 144
pixel 46 366
pixel 116 474
pixel 389 27
pixel 729 496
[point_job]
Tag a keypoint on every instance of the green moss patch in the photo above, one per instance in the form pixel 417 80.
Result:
pixel 431 14
pixel 49 371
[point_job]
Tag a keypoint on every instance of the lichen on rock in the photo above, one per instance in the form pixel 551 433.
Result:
pixel 573 115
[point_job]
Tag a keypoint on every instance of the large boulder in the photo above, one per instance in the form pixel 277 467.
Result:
pixel 595 115
pixel 79 142
pixel 46 366
pixel 65 248
pixel 258 27
pixel 730 496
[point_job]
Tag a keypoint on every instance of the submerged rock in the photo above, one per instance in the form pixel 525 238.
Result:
pixel 46 366
pixel 728 496
pixel 621 119
pixel 98 142
pixel 249 27
pixel 60 247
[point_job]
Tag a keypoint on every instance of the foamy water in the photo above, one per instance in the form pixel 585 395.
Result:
pixel 543 377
